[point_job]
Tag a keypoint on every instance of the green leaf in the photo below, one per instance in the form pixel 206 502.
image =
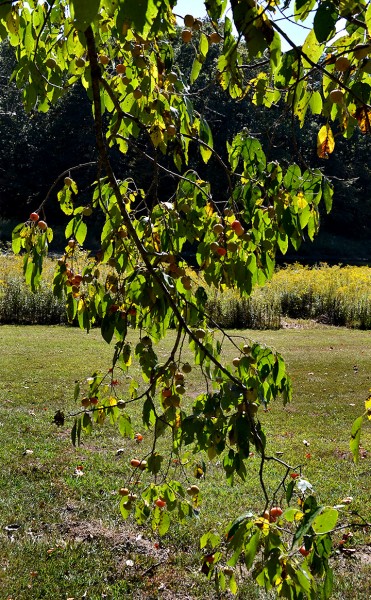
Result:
pixel 328 584
pixel 125 426
pixel 5 9
pixel 236 525
pixel 76 432
pixel 107 328
pixel 65 200
pixel 164 523
pixel 125 507
pixel 209 538
pixel 251 549
pixel 70 227
pixel 84 12
pixel 355 438
pixel 215 8
pixel 302 9
pixel 233 585
pixel 87 424
pixel 292 514
pixel 328 192
pixel 80 232
pixel 138 14
pixel 275 53
pixel 207 137
pixel 148 415
pixel 368 19
pixel 196 69
pixel 315 103
pixel 17 239
pixel 324 21
pixel 311 48
pixel 326 521
pixel 306 523
pixel 154 463
pixel 73 433
pixel 76 392
pixel 204 45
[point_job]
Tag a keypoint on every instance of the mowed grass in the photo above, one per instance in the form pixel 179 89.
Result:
pixel 62 535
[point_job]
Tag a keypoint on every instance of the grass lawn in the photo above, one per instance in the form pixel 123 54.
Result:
pixel 62 535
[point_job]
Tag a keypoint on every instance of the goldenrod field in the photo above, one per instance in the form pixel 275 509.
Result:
pixel 334 295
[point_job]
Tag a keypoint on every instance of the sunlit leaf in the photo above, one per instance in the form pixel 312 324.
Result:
pixel 355 438
pixel 325 142
pixel 84 12
pixel 363 116
pixel 368 407
pixel 302 9
pixel 326 521
pixel 312 49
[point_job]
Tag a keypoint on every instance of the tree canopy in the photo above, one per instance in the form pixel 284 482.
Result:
pixel 123 54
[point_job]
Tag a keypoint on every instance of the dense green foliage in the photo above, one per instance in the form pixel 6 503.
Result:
pixel 36 151
pixel 122 55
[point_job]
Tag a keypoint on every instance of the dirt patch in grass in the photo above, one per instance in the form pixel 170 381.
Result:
pixel 350 559
pixel 144 563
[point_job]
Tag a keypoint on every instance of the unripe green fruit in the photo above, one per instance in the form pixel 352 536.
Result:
pixel 366 67
pixel 361 51
pixel 253 408
pixel 80 62
pixel 218 228
pixel 140 62
pixel 232 246
pixel 51 63
pixel 172 77
pixel 171 130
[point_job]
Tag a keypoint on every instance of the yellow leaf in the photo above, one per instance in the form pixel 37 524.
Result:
pixel 368 407
pixel 209 210
pixel 302 203
pixel 263 524
pixel 363 116
pixel 325 142
pixel 157 136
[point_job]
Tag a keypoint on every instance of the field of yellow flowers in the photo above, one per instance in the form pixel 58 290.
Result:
pixel 337 295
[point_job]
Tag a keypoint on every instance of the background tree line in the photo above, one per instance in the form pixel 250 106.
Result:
pixel 36 148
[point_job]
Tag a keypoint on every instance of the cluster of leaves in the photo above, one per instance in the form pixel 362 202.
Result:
pixel 123 57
